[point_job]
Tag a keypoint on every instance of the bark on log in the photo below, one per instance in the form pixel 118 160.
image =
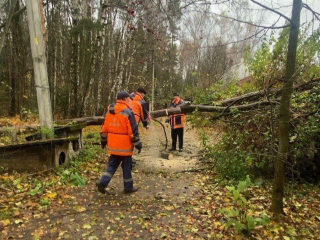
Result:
pixel 188 108
pixel 99 120
pixel 166 155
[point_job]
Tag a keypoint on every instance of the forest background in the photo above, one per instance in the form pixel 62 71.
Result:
pixel 96 48
pixel 207 51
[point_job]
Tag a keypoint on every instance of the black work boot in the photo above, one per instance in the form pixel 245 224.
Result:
pixel 181 150
pixel 134 189
pixel 101 188
pixel 172 149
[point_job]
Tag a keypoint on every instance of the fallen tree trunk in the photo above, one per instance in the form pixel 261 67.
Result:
pixel 225 109
pixel 188 108
pixel 272 91
pixel 99 120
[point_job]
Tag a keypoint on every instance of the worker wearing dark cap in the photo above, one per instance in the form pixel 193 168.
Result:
pixel 120 133
pixel 140 107
pixel 177 122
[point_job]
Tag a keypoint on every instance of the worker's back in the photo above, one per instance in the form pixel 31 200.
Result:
pixel 139 108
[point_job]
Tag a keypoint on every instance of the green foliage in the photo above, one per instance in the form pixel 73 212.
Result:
pixel 241 216
pixel 38 188
pixel 73 175
pixel 47 132
pixel 45 202
pixel 250 140
pixel 268 62
pixel 92 137
pixel 74 178
pixel 216 92
pixel 244 148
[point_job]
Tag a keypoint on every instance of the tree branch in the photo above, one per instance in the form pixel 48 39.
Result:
pixel 6 29
pixel 275 91
pixel 16 14
pixel 272 10
pixel 306 6
pixel 249 23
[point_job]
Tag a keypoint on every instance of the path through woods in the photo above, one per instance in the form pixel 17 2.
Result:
pixel 163 206
pixel 173 202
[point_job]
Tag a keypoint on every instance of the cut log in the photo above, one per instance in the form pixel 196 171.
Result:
pixel 166 155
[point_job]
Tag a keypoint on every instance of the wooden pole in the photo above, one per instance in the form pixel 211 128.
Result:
pixel 40 67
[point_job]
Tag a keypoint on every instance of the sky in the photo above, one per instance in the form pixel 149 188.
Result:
pixel 264 17
pixel 285 7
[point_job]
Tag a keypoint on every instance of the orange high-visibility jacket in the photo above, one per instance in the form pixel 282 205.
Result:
pixel 177 120
pixel 121 129
pixel 177 101
pixel 139 108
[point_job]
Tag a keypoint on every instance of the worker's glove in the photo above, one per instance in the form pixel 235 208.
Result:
pixel 138 147
pixel 104 140
pixel 167 122
pixel 145 124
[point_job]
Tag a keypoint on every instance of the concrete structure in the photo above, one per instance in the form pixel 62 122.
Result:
pixel 37 155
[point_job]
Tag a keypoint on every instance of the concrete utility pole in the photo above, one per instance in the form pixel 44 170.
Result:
pixel 152 93
pixel 40 67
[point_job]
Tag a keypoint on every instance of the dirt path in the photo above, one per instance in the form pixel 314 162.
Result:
pixel 154 143
pixel 162 208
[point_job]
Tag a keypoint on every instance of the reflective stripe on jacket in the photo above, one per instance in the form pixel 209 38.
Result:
pixel 121 128
pixel 139 108
pixel 177 120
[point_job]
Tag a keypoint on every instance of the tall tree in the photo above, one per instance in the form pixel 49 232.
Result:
pixel 4 33
pixel 284 117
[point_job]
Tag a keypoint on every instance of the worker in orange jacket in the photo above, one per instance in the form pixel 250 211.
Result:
pixel 177 122
pixel 120 133
pixel 140 107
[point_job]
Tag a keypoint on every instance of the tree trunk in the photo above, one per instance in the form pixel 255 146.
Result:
pixel 284 118
pixel 74 60
pixel 6 29
pixel 40 67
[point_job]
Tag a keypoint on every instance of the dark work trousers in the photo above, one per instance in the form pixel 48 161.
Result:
pixel 178 132
pixel 114 162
